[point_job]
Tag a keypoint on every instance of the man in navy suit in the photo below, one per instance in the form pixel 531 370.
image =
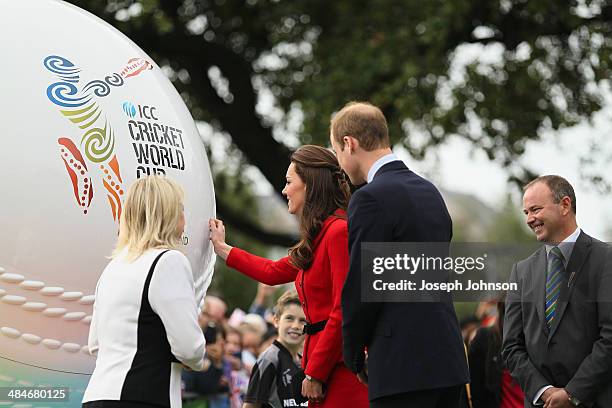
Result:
pixel 415 351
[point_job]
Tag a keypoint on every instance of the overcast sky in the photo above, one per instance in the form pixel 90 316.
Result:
pixel 458 168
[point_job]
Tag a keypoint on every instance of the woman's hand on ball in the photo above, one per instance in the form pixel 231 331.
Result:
pixel 217 237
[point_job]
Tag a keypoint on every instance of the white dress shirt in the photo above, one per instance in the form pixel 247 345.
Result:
pixel 388 158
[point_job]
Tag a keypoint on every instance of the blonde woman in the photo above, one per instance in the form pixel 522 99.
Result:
pixel 145 321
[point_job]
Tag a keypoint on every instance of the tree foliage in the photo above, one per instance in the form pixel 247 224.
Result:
pixel 497 73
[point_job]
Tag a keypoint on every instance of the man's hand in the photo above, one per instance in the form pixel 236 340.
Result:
pixel 313 390
pixel 558 399
pixel 546 394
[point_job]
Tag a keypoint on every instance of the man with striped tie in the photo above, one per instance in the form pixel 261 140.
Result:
pixel 558 326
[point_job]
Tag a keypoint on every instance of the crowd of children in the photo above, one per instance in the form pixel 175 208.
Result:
pixel 252 360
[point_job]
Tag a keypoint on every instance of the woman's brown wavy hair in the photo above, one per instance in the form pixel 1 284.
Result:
pixel 327 189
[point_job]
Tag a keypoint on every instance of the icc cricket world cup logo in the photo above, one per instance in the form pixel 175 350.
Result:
pixel 90 159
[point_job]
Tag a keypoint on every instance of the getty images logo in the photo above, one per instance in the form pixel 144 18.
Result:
pixel 129 109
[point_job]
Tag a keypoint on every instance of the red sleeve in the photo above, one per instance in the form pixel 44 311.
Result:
pixel 261 269
pixel 328 350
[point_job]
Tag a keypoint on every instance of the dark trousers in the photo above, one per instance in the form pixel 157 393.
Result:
pixel 437 398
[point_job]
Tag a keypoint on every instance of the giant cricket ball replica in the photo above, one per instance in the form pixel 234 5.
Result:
pixel 85 112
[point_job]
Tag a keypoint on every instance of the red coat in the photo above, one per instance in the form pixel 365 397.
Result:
pixel 319 288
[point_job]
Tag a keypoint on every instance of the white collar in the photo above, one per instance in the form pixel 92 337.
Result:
pixel 387 158
pixel 566 246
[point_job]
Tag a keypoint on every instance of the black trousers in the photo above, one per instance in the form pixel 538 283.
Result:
pixel 437 398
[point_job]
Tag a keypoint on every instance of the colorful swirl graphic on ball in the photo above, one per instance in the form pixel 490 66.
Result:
pixel 64 68
pixel 84 117
pixel 66 94
pixel 97 142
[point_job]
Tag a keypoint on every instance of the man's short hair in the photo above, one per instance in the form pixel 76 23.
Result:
pixel 363 121
pixel 559 187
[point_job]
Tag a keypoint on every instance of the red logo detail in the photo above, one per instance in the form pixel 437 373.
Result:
pixel 135 66
pixel 77 170
pixel 81 178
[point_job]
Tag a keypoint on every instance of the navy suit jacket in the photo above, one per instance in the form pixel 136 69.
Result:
pixel 411 346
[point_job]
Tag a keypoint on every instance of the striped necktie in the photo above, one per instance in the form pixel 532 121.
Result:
pixel 554 277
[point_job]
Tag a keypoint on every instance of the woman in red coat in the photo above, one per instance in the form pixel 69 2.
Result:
pixel 318 193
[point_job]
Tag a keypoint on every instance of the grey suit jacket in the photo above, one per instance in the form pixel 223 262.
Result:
pixel 576 353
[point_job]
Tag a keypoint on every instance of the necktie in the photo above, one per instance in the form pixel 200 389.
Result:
pixel 553 283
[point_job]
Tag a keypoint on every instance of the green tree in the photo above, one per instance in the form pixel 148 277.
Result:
pixel 509 227
pixel 308 57
pixel 241 207
pixel 505 226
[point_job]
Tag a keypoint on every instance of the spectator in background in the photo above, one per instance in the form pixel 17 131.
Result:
pixel 469 325
pixel 214 310
pixel 240 377
pixel 253 327
pixel 261 303
pixel 276 380
pixel 268 338
pixel 233 347
pixel 213 382
pixel 486 312
pixel 491 385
